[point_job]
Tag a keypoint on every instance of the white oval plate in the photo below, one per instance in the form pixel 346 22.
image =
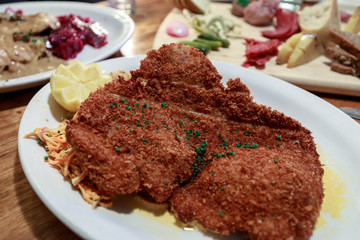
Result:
pixel 120 28
pixel 337 135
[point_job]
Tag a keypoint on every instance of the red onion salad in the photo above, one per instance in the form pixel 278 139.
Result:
pixel 74 33
pixel 9 9
pixel 177 29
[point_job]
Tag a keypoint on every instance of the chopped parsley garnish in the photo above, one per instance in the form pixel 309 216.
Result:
pixel 221 213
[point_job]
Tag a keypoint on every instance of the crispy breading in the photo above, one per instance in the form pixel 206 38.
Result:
pixel 227 163
pixel 267 187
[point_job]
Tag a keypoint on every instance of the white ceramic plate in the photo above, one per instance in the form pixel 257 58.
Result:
pixel 120 28
pixel 337 135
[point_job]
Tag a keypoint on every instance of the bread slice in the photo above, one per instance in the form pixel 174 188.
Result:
pixel 348 41
pixel 339 55
pixel 319 19
pixel 343 69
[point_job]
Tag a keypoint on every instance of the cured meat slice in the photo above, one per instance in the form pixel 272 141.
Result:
pixel 260 13
pixel 287 24
pixel 258 53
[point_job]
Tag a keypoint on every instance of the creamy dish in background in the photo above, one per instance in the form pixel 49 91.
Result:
pixel 23 44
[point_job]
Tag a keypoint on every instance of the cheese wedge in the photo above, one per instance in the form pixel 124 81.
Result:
pixel 307 49
pixel 353 24
pixel 287 48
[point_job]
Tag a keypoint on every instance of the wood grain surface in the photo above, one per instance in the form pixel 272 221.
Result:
pixel 22 214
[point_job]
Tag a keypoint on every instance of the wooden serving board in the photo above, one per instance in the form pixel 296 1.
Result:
pixel 314 76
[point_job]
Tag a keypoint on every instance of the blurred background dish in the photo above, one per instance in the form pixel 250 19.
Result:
pixel 120 28
pixel 313 76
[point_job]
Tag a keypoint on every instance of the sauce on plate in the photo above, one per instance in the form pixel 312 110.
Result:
pixel 23 42
pixel 334 202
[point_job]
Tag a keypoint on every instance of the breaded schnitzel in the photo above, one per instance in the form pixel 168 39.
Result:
pixel 174 131
pixel 265 187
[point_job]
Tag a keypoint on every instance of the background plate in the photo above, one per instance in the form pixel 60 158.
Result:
pixel 338 140
pixel 119 25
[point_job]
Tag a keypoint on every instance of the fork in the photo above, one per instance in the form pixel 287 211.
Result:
pixel 352 112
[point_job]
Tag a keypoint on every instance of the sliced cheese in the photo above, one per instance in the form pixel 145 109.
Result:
pixel 288 48
pixel 319 18
pixel 307 49
pixel 353 24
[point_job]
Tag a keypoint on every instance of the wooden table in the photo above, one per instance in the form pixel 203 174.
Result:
pixel 22 214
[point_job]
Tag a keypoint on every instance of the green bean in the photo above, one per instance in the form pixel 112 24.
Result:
pixel 214 45
pixel 204 48
pixel 208 36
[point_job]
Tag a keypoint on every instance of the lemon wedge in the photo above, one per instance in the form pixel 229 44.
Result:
pixel 70 85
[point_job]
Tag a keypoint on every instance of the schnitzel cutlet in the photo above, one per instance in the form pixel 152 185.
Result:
pixel 223 162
